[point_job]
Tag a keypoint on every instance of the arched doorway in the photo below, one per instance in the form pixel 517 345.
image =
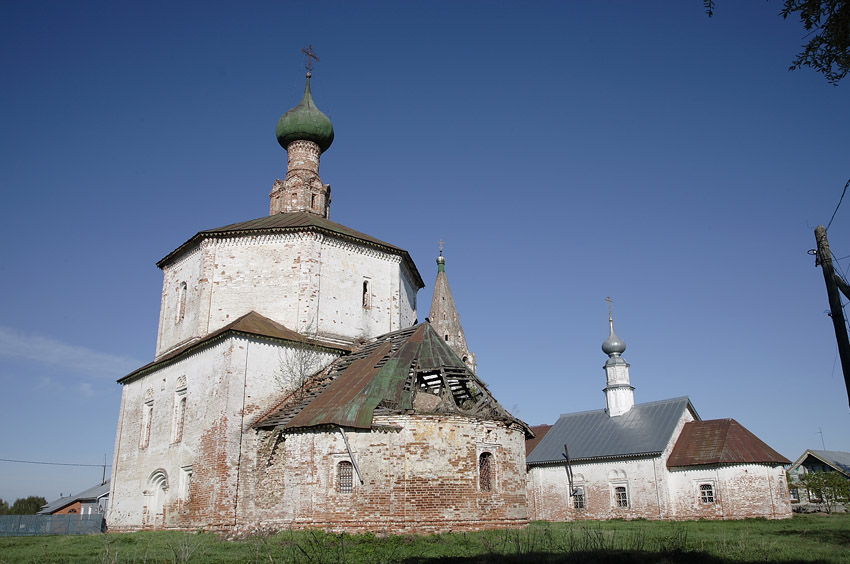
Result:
pixel 155 498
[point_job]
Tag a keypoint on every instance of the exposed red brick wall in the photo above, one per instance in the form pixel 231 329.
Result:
pixel 73 508
pixel 419 476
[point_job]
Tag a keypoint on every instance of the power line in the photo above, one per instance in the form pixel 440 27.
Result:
pixel 839 205
pixel 52 463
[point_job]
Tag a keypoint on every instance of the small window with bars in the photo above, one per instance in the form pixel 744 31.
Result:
pixel 706 493
pixel 485 472
pixel 578 498
pixel 344 477
pixel 621 496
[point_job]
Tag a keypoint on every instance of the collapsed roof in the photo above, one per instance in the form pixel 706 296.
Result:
pixel 408 371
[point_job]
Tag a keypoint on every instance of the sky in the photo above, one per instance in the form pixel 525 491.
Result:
pixel 564 151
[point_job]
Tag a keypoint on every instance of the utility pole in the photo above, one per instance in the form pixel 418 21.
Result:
pixel 824 259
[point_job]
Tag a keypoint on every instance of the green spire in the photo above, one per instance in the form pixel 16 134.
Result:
pixel 305 122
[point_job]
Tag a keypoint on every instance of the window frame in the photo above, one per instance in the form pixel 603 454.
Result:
pixel 182 290
pixel 486 480
pixel 709 499
pixel 621 498
pixel 147 424
pixel 344 477
pixel 579 498
pixel 367 293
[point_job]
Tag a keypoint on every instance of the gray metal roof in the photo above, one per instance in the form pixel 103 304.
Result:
pixel 645 429
pixel 89 495
pixel 838 459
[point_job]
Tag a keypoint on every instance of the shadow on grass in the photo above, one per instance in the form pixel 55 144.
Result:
pixel 824 536
pixel 595 557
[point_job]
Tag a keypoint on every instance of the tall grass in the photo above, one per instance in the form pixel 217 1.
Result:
pixel 805 538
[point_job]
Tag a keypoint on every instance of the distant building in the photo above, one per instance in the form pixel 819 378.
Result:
pixel 655 460
pixel 817 461
pixel 91 501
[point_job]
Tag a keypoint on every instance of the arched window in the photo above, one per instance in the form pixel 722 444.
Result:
pixel 147 422
pixel 621 497
pixel 367 295
pixel 181 301
pixel 578 493
pixel 485 472
pixel 344 477
pixel 180 417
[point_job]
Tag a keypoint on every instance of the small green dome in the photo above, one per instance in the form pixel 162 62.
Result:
pixel 305 122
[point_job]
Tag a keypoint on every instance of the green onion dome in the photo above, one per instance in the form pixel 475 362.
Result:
pixel 305 122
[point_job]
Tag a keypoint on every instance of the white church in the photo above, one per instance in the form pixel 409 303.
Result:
pixel 293 387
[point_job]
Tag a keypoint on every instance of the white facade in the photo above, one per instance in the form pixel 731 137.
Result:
pixel 645 480
pixel 309 282
pixel 738 491
pixel 162 446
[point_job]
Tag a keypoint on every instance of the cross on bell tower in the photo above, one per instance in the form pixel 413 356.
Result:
pixel 311 55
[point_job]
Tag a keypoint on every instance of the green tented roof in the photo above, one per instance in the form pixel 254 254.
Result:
pixel 387 374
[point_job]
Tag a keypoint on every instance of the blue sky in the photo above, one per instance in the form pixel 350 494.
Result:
pixel 565 151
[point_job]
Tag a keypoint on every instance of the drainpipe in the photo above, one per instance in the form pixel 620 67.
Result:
pixel 351 455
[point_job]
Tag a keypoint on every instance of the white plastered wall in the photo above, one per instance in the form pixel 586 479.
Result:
pixel 306 281
pixel 225 383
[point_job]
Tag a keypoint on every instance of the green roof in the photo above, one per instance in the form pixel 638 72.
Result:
pixel 305 122
pixel 412 370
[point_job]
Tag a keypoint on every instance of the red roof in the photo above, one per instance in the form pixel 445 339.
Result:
pixel 252 323
pixel 720 441
pixel 539 432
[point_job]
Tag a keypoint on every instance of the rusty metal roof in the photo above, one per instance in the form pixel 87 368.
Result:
pixel 644 430
pixel 539 432
pixel 412 370
pixel 293 222
pixel 251 323
pixel 720 441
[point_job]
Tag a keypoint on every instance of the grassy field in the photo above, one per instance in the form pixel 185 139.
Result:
pixel 805 538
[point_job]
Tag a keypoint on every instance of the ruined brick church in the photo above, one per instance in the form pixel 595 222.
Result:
pixel 292 387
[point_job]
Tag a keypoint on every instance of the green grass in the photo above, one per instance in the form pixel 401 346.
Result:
pixel 805 538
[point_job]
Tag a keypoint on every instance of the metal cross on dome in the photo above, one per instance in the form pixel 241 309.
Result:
pixel 441 242
pixel 610 301
pixel 310 56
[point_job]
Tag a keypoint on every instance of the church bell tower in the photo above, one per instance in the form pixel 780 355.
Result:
pixel 619 392
pixel 305 132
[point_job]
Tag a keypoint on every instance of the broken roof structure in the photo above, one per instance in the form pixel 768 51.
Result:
pixel 408 371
